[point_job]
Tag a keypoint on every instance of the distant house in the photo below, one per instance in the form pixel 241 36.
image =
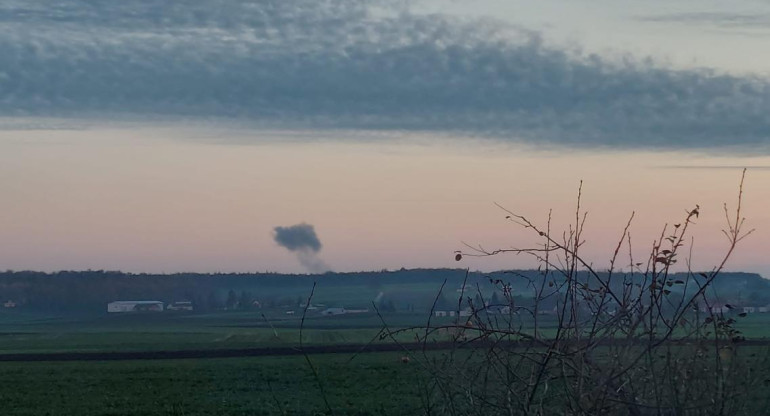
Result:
pixel 501 309
pixel 180 306
pixel 715 308
pixel 9 304
pixel 333 311
pixel 749 309
pixel 555 311
pixel 123 306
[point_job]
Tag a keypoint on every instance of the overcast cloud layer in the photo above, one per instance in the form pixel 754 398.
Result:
pixel 356 64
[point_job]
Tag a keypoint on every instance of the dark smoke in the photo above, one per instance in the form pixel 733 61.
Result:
pixel 302 240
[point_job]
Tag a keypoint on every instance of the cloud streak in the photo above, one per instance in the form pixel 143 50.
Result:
pixel 724 19
pixel 342 64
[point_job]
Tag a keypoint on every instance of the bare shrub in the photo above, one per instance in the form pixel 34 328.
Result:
pixel 641 341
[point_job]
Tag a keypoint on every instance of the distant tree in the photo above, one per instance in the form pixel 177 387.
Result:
pixel 246 300
pixel 232 300
pixel 442 303
pixel 386 305
pixel 478 302
pixel 212 301
pixel 199 304
pixel 494 300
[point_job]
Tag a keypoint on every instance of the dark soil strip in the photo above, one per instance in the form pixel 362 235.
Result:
pixel 260 352
pixel 213 353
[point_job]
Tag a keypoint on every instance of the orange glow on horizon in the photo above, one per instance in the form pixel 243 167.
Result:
pixel 154 201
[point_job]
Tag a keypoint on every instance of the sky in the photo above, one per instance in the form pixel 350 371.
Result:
pixel 149 136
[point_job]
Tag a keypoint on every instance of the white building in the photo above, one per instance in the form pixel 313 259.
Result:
pixel 122 306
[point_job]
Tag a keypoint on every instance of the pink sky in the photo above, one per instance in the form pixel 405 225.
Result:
pixel 170 200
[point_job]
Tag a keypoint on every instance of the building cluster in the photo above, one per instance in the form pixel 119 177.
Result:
pixel 726 308
pixel 125 306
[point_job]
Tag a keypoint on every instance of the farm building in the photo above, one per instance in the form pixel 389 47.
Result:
pixel 135 306
pixel 466 312
pixel 180 306
pixel 716 308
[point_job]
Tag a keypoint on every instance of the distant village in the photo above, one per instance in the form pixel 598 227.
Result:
pixel 134 306
pixel 404 291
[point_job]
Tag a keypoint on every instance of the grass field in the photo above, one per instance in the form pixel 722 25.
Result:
pixel 146 332
pixel 26 332
pixel 364 384
pixel 370 384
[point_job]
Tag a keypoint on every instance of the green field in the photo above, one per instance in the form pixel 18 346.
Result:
pixel 25 332
pixel 370 384
pixel 353 384
pixel 21 333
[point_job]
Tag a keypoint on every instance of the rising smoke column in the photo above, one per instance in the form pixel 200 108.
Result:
pixel 302 240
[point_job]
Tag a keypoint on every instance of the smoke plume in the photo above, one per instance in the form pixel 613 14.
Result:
pixel 302 240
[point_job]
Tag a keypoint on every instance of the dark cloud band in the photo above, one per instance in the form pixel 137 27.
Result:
pixel 339 64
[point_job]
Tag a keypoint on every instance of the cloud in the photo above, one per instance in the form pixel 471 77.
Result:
pixel 372 65
pixel 724 19
pixel 301 239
